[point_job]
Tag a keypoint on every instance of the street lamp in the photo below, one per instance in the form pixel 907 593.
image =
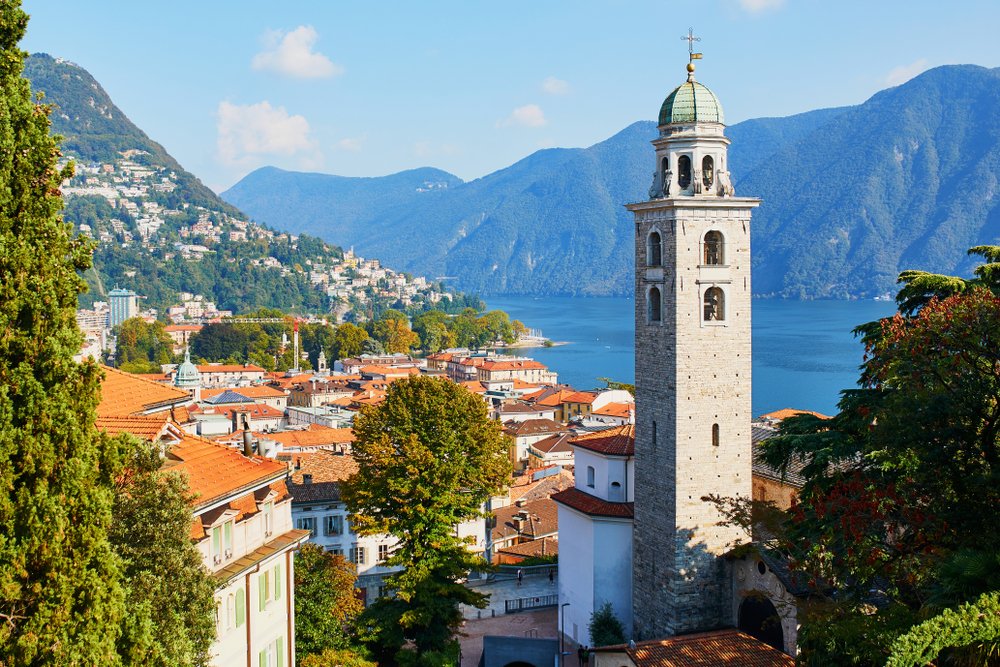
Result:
pixel 562 633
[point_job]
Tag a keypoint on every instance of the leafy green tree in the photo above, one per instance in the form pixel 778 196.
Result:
pixel 171 596
pixel 466 328
pixel 495 326
pixel 142 344
pixel 432 328
pixel 605 628
pixel 349 341
pixel 919 287
pixel 371 346
pixel 400 339
pixel 429 457
pixel 902 485
pixel 61 601
pixel 325 601
pixel 336 658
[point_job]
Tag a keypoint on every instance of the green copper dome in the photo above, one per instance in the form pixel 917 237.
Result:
pixel 691 102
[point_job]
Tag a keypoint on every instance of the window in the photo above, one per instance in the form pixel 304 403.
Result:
pixel 334 525
pixel 307 523
pixel 707 171
pixel 383 591
pixel 241 607
pixel 654 433
pixel 268 519
pixel 653 249
pixel 715 435
pixel 683 172
pixel 590 476
pixel 714 246
pixel 337 551
pixel 263 589
pixel 615 494
pixel 273 655
pixel 715 305
pixel 358 555
pixel 227 539
pixel 383 555
pixel 653 304
pixel 277 581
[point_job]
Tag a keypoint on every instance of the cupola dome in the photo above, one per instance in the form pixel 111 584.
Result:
pixel 187 373
pixel 691 102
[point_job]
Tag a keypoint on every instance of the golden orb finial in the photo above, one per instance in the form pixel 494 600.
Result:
pixel 690 67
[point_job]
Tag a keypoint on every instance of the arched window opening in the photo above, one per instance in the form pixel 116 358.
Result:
pixel 715 435
pixel 715 305
pixel 654 433
pixel 684 172
pixel 714 247
pixel 653 306
pixel 759 618
pixel 590 476
pixel 241 607
pixel 664 182
pixel 615 494
pixel 653 250
pixel 707 171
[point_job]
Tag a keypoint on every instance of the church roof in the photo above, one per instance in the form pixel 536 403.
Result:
pixel 592 505
pixel 616 441
pixel 730 648
pixel 691 102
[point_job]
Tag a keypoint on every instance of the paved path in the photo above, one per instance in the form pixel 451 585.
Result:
pixel 501 589
pixel 540 623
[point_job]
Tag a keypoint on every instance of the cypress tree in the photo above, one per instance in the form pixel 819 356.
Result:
pixel 60 598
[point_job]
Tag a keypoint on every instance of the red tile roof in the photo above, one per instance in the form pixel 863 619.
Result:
pixel 250 392
pixel 183 327
pixel 620 410
pixel 554 444
pixel 532 427
pixel 216 471
pixel 546 546
pixel 127 394
pixel 785 413
pixel 517 365
pixel 580 397
pixel 719 648
pixel 149 428
pixel 230 368
pixel 617 441
pixel 255 410
pixel 315 436
pixel 592 505
pixel 542 518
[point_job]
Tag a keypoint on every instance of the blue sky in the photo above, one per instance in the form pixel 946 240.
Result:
pixel 371 88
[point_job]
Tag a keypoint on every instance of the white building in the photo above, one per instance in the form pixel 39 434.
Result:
pixel 595 532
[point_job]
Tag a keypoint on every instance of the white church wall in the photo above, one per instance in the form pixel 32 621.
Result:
pixel 613 568
pixel 576 574
pixel 584 460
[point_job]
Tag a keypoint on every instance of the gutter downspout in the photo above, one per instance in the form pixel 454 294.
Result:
pixel 249 607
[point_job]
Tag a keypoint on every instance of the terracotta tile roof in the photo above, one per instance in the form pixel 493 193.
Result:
pixel 315 436
pixel 592 505
pixel 230 368
pixel 155 377
pixel 542 519
pixel 441 356
pixel 620 410
pixel 149 428
pixel 127 394
pixel 785 413
pixel 328 470
pixel 262 391
pixel 551 398
pixel 515 365
pixel 255 410
pixel 533 427
pixel 545 546
pixel 719 648
pixel 279 379
pixel 216 471
pixel 580 397
pixel 475 386
pixel 183 327
pixel 616 441
pixel 554 444
pixel 521 384
pixel 535 489
pixel 519 407
pixel 389 371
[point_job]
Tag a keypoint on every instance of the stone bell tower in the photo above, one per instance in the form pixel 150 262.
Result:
pixel 692 369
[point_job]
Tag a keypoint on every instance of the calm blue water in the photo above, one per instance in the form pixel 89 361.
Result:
pixel 803 351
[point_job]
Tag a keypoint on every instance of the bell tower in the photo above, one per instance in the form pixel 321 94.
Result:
pixel 692 368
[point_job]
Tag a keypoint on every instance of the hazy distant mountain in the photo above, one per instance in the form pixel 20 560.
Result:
pixel 851 196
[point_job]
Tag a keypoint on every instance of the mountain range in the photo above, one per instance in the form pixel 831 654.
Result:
pixel 851 196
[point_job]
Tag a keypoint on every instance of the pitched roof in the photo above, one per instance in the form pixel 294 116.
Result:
pixel 551 397
pixel 545 546
pixel 542 519
pixel 513 365
pixel 529 488
pixel 314 436
pixel 328 470
pixel 216 471
pixel 620 410
pixel 580 397
pixel 183 327
pixel 150 428
pixel 519 407
pixel 230 368
pixel 554 444
pixel 262 391
pixel 785 413
pixel 616 441
pixel 533 427
pixel 255 410
pixel 226 396
pixel 128 394
pixel 592 505
pixel 725 648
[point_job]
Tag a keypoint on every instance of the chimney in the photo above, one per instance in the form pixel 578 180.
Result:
pixel 247 435
pixel 307 478
pixel 521 502
pixel 298 463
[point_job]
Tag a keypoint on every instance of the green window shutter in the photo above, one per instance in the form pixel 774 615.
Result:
pixel 262 658
pixel 241 607
pixel 228 531
pixel 280 644
pixel 277 581
pixel 262 589
pixel 216 541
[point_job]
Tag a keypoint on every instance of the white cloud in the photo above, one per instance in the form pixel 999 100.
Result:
pixel 291 53
pixel 352 144
pixel 904 73
pixel 755 6
pixel 554 86
pixel 250 132
pixel 530 115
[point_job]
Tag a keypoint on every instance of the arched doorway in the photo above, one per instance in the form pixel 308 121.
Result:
pixel 759 618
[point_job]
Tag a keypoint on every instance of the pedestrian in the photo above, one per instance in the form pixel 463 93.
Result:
pixel 552 575
pixel 520 576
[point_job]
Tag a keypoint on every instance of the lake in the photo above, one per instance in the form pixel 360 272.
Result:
pixel 803 351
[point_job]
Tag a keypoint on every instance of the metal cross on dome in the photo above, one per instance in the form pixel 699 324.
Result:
pixel 691 39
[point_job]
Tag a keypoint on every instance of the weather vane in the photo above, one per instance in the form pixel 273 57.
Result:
pixel 692 55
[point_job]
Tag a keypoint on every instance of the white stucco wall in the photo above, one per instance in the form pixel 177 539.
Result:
pixel 576 578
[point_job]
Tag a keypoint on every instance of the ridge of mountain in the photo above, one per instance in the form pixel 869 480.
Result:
pixel 851 196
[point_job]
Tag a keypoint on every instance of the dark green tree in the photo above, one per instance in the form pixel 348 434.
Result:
pixel 61 602
pixel 605 628
pixel 141 347
pixel 171 615
pixel 325 601
pixel 429 457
